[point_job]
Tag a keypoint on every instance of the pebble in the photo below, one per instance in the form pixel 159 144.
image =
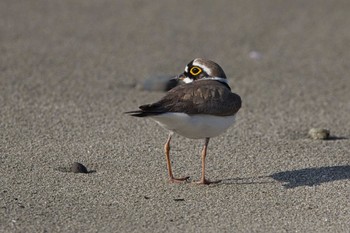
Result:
pixel 78 168
pixel 255 55
pixel 319 134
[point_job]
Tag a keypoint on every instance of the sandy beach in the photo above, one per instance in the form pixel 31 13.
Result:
pixel 69 69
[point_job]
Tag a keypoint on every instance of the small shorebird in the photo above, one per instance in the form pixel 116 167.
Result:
pixel 201 108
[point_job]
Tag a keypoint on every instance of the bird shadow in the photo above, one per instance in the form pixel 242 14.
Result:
pixel 312 176
pixel 296 178
pixel 246 180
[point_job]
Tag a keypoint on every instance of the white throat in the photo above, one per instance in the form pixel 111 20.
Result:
pixel 188 80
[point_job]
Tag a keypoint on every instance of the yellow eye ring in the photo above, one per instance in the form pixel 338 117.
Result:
pixel 195 70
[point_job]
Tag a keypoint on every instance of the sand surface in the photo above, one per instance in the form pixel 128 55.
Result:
pixel 69 69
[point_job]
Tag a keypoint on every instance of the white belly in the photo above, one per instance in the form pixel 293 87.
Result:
pixel 194 126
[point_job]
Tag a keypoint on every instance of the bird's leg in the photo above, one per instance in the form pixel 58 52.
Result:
pixel 168 163
pixel 204 154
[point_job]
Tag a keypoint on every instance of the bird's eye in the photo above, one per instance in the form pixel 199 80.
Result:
pixel 195 70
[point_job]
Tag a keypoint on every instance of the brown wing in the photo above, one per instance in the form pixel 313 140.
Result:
pixel 200 97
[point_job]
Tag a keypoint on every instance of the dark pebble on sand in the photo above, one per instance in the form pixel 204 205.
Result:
pixel 78 168
pixel 179 199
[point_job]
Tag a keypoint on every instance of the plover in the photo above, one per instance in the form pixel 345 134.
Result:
pixel 201 108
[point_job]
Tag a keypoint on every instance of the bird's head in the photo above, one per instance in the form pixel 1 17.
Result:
pixel 200 69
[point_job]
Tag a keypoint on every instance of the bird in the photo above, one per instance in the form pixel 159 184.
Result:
pixel 201 106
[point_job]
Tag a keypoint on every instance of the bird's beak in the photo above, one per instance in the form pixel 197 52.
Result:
pixel 174 82
pixel 181 77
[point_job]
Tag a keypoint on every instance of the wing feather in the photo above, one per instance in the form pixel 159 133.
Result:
pixel 200 97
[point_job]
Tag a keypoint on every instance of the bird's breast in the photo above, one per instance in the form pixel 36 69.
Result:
pixel 195 126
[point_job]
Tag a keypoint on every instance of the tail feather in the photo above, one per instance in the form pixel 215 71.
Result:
pixel 146 110
pixel 136 113
pixel 140 113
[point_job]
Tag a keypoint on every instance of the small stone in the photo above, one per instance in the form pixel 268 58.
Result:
pixel 78 168
pixel 319 134
pixel 255 55
pixel 179 199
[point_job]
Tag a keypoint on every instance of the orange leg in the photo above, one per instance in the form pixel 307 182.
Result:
pixel 168 163
pixel 204 154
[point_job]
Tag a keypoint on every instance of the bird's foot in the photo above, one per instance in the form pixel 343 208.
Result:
pixel 179 180
pixel 207 182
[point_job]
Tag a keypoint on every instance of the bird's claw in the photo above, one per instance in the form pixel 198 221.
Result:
pixel 179 180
